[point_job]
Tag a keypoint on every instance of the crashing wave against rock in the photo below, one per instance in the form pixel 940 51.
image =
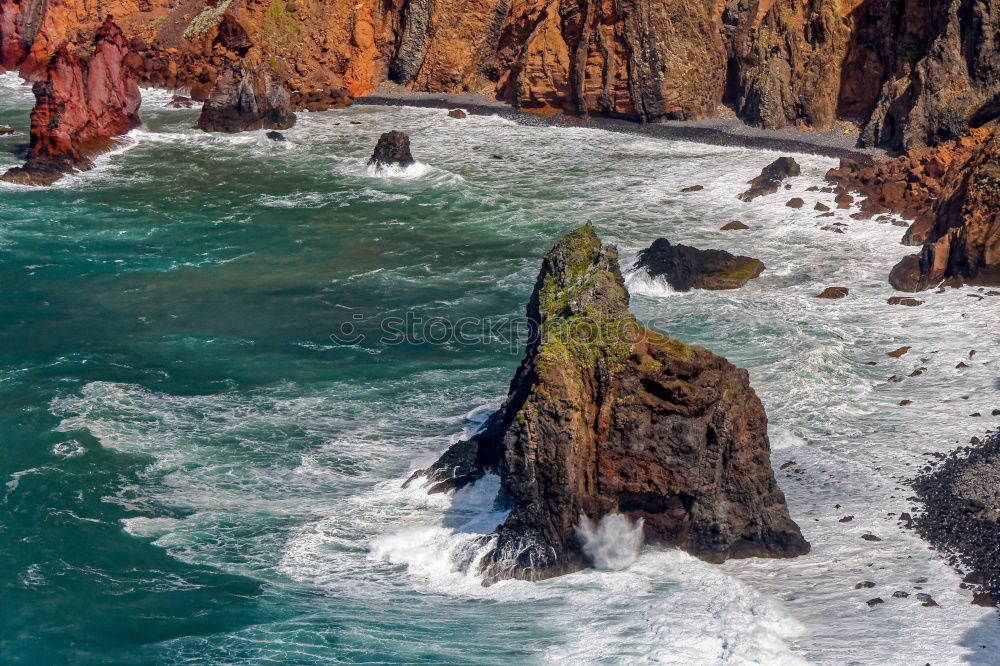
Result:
pixel 606 417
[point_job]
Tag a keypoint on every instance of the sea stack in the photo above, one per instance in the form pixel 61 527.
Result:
pixel 393 149
pixel 244 100
pixel 83 102
pixel 604 417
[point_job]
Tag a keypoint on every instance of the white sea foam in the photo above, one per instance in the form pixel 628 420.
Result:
pixel 410 172
pixel 639 281
pixel 613 542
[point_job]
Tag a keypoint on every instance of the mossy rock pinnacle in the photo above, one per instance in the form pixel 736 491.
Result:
pixel 606 416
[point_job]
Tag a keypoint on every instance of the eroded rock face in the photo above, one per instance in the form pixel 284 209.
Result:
pixel 604 416
pixel 685 268
pixel 246 100
pixel 638 59
pixel 963 247
pixel 83 103
pixel 912 73
pixel 392 149
pixel 771 177
pixel 952 193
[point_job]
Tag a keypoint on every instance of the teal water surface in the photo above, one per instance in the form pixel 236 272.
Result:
pixel 197 470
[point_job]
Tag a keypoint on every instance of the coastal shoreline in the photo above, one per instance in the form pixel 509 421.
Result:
pixel 717 132
pixel 960 516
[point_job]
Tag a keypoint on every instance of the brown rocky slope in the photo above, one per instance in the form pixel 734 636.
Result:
pixel 605 416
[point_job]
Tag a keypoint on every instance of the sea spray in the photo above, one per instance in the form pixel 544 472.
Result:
pixel 611 543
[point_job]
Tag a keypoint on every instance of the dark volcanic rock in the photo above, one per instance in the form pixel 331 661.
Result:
pixel 245 100
pixel 685 268
pixel 392 149
pixel 969 477
pixel 276 136
pixel 607 417
pixel 770 178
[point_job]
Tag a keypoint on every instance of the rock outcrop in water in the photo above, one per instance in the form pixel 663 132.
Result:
pixel 83 103
pixel 245 100
pixel 771 177
pixel 392 149
pixel 685 268
pixel 605 416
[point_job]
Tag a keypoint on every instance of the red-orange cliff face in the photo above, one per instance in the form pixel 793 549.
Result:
pixel 911 72
pixel 83 101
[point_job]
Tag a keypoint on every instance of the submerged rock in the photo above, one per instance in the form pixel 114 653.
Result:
pixel 770 178
pixel 6 129
pixel 457 113
pixel 606 417
pixel 735 225
pixel 685 268
pixel 276 136
pixel 244 100
pixel 393 149
pixel 834 292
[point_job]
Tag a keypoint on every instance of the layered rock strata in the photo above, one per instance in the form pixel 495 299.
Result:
pixel 910 73
pixel 604 416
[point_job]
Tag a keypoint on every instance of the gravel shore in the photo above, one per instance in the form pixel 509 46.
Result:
pixel 721 132
pixel 961 515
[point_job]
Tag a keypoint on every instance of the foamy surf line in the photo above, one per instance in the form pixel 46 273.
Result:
pixel 718 133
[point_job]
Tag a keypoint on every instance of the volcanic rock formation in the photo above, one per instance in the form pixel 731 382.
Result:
pixel 685 268
pixel 910 73
pixel 953 192
pixel 770 178
pixel 83 103
pixel 392 149
pixel 246 100
pixel 605 416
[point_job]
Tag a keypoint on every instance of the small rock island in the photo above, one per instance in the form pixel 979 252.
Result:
pixel 605 416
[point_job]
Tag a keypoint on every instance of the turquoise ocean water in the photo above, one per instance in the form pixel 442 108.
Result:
pixel 192 470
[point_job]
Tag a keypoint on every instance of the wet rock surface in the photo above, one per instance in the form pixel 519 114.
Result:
pixel 961 514
pixel 392 149
pixel 244 100
pixel 81 105
pixel 685 268
pixel 771 177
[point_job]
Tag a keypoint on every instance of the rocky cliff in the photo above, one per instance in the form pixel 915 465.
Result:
pixel 605 416
pixel 952 192
pixel 911 72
